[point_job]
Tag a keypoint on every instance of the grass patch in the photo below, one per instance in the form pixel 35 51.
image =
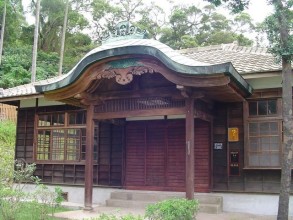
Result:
pixel 35 211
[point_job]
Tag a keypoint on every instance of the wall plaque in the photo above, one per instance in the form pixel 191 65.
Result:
pixel 233 134
pixel 218 146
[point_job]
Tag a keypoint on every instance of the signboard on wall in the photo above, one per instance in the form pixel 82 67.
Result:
pixel 233 134
pixel 218 146
pixel 234 163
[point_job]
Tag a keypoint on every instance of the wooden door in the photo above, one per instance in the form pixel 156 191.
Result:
pixel 155 155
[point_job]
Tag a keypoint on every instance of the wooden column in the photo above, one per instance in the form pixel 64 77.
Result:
pixel 189 126
pixel 89 159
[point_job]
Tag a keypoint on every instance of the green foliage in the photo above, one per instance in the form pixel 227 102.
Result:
pixel 235 5
pixel 16 65
pixel 114 217
pixel 280 22
pixel 12 195
pixel 15 203
pixel 47 201
pixel 191 26
pixel 7 141
pixel 173 209
pixel 14 20
pixel 7 133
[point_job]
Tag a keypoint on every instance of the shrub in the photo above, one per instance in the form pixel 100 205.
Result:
pixel 114 217
pixel 172 209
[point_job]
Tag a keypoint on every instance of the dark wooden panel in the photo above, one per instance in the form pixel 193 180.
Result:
pixel 176 154
pixel 202 156
pixel 135 154
pixel 220 170
pixel 25 135
pixel 109 171
pixel 155 156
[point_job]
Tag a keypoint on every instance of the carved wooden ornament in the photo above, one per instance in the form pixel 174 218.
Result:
pixel 123 73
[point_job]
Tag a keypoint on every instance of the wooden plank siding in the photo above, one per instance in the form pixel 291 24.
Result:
pixel 155 155
pixel 8 112
pixel 25 135
pixel 229 115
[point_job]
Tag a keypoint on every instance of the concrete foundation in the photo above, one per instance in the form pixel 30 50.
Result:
pixel 259 204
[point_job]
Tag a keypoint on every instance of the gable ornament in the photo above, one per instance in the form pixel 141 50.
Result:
pixel 124 70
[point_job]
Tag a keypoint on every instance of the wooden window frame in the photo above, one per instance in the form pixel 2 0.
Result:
pixel 66 127
pixel 261 119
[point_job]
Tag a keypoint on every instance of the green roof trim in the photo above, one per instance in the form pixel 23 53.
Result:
pixel 154 49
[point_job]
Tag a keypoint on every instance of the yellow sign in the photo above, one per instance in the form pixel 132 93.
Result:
pixel 233 134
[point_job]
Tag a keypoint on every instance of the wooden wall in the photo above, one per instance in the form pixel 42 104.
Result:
pixel 155 155
pixel 107 167
pixel 249 180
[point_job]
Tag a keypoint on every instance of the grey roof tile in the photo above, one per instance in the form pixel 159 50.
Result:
pixel 244 59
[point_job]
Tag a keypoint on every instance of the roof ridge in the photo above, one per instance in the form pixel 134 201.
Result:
pixel 245 49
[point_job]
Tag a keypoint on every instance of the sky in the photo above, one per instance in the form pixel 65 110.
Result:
pixel 258 9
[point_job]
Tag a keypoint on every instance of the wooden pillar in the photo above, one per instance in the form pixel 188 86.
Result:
pixel 89 159
pixel 189 126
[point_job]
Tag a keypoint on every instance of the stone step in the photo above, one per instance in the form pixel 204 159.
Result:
pixel 205 208
pixel 128 203
pixel 159 196
pixel 210 208
pixel 209 203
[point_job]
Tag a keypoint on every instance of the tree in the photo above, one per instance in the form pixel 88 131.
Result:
pixel 63 38
pixel 36 38
pixel 2 30
pixel 190 26
pixel 279 30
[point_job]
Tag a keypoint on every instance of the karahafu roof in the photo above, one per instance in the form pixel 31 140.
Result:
pixel 199 60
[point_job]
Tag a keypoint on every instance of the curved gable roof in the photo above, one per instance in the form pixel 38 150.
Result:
pixel 171 58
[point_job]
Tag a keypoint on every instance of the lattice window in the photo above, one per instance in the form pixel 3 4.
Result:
pixel 58 144
pixel 139 104
pixel 73 144
pixel 67 142
pixel 43 150
pixel 264 144
pixel 264 134
pixel 263 107
pixel 52 119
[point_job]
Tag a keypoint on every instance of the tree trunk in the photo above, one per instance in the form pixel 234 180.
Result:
pixel 35 47
pixel 2 32
pixel 283 210
pixel 63 38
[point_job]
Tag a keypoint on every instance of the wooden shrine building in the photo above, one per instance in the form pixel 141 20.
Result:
pixel 135 114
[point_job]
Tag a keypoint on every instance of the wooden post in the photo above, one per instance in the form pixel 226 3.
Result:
pixel 89 156
pixel 189 126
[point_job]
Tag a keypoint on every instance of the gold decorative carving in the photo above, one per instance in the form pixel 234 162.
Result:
pixel 124 76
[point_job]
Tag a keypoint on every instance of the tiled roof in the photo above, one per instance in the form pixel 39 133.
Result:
pixel 244 59
pixel 27 89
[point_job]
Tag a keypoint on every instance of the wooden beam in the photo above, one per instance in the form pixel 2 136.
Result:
pixel 189 129
pixel 89 156
pixel 136 113
pixel 187 92
pixel 103 96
